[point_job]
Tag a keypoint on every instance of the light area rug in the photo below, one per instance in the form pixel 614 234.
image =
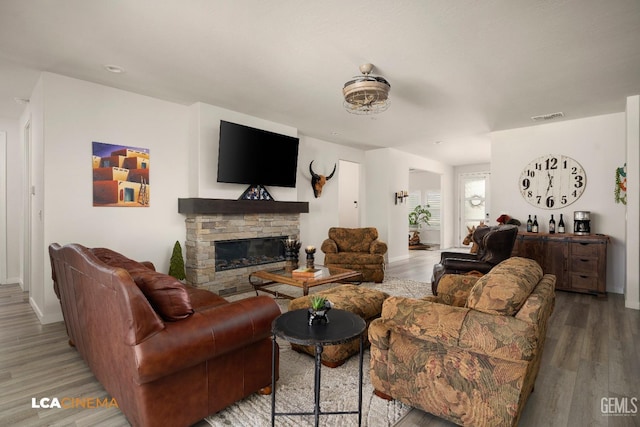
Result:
pixel 339 386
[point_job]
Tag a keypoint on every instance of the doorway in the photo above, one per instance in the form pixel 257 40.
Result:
pixel 473 201
pixel 348 194
pixel 28 194
pixel 3 212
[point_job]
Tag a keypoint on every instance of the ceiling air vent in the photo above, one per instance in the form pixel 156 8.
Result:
pixel 545 117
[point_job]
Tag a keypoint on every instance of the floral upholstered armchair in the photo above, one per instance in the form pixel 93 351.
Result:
pixel 356 249
pixel 470 355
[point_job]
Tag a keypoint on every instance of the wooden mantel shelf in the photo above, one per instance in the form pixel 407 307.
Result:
pixel 200 206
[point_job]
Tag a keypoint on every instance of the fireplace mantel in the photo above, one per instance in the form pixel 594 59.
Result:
pixel 200 206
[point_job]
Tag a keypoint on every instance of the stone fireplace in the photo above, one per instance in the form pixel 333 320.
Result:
pixel 239 253
pixel 254 226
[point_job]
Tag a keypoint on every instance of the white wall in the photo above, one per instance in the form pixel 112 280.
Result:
pixel 387 173
pixel 632 288
pixel 323 211
pixel 12 175
pixel 598 144
pixel 67 115
pixel 76 113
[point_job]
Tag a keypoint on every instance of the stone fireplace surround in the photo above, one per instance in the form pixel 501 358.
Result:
pixel 211 220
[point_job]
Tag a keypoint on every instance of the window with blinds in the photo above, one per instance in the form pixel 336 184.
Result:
pixel 432 199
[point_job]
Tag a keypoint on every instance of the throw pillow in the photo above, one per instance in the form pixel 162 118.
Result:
pixel 506 287
pixel 167 295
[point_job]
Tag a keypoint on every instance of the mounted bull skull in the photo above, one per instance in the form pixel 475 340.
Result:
pixel 318 181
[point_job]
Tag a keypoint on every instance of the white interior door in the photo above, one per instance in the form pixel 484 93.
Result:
pixel 348 194
pixel 28 194
pixel 3 211
pixel 473 201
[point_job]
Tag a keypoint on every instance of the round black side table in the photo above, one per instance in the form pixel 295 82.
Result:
pixel 293 326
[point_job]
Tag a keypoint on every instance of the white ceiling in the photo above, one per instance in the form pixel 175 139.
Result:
pixel 458 69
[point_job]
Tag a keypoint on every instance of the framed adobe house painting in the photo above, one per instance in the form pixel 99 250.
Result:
pixel 120 175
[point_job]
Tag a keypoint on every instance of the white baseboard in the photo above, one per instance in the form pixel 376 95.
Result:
pixel 399 258
pixel 12 281
pixel 45 318
pixel 635 305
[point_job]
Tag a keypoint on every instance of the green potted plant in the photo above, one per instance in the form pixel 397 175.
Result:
pixel 418 216
pixel 318 310
pixel 176 264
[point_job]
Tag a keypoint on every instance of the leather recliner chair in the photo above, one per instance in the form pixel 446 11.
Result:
pixel 495 244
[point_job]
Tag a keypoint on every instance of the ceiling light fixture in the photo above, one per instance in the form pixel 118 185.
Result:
pixel 366 94
pixel 114 69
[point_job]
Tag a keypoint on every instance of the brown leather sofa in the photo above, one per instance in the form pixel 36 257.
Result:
pixel 170 354
pixel 495 244
pixel 356 249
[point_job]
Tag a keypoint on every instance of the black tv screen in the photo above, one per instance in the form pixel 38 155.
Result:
pixel 248 155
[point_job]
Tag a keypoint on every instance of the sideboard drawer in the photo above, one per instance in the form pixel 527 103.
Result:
pixel 584 266
pixel 586 249
pixel 584 282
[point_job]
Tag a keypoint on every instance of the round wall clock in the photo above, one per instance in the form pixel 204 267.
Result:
pixel 552 182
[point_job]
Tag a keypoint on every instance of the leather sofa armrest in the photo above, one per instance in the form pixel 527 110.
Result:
pixel 458 255
pixel 149 265
pixel 204 335
pixel 378 247
pixel 458 264
pixel 329 246
pixel 503 337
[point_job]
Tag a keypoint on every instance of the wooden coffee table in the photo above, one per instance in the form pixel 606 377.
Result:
pixel 280 276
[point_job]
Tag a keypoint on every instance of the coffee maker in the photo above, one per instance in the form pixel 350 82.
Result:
pixel 581 222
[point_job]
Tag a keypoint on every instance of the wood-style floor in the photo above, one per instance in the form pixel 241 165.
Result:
pixel 591 353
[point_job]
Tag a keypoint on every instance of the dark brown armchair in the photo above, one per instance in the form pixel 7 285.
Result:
pixel 495 244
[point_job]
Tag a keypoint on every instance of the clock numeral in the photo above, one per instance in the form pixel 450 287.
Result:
pixel 526 183
pixel 529 194
pixel 575 193
pixel 550 202
pixel 539 198
pixel 531 173
pixel 539 166
pixel 563 200
pixel 574 170
pixel 551 163
pixel 564 164
pixel 579 183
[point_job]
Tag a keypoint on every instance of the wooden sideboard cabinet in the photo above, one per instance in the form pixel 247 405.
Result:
pixel 578 262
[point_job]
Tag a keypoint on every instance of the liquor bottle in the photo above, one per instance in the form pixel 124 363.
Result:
pixel 534 227
pixel 552 225
pixel 561 225
pixel 529 224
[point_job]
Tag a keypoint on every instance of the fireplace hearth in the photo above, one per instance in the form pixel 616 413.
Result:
pixel 240 253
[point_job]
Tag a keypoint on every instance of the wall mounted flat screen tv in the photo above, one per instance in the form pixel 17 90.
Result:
pixel 248 155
